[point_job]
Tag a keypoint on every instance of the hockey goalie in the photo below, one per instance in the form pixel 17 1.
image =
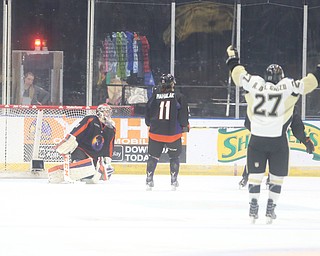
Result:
pixel 90 145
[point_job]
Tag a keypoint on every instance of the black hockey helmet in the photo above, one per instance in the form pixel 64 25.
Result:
pixel 274 73
pixel 167 82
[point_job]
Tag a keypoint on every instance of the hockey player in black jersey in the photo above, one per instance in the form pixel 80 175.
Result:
pixel 167 116
pixel 93 137
pixel 297 128
pixel 270 108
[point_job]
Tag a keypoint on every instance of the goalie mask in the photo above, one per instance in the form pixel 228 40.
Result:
pixel 274 73
pixel 104 112
pixel 167 82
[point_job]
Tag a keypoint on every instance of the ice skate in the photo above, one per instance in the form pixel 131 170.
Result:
pixel 149 183
pixel 254 208
pixel 174 183
pixel 270 214
pixel 243 182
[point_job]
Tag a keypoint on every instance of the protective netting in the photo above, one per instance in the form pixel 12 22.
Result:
pixel 31 132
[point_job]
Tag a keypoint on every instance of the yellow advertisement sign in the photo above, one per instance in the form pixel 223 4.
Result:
pixel 232 145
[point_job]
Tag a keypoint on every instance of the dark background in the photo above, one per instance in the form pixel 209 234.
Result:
pixel 268 36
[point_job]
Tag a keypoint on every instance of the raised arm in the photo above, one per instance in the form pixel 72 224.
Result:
pixel 233 63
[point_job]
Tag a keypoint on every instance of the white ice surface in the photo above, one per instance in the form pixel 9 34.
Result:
pixel 207 215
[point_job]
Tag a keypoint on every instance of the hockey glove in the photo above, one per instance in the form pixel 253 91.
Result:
pixel 233 58
pixel 309 145
pixel 67 145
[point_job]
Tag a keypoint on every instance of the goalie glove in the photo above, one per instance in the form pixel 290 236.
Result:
pixel 233 57
pixel 67 145
pixel 104 167
pixel 309 145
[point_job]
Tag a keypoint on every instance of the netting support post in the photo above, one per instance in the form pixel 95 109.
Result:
pixel 36 163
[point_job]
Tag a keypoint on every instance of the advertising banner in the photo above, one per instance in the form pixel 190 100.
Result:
pixel 232 144
pixel 209 142
pixel 131 143
pixel 225 142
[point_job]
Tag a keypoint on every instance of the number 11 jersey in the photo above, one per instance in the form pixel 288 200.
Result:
pixel 166 114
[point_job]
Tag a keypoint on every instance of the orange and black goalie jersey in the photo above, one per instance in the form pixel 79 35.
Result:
pixel 94 138
pixel 167 113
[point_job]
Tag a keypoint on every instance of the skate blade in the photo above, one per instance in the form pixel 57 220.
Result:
pixel 269 220
pixel 253 219
pixel 173 188
pixel 148 188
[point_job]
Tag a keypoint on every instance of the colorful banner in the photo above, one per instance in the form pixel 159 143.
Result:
pixel 208 146
pixel 131 142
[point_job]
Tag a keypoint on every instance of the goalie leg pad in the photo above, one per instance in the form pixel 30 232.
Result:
pixel 55 174
pixel 94 180
pixel 110 171
pixel 104 167
pixel 82 169
pixel 78 170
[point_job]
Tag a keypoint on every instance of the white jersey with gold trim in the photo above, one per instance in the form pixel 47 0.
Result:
pixel 270 105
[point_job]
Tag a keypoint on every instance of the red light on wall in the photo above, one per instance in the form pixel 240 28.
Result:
pixel 44 45
pixel 37 44
pixel 40 44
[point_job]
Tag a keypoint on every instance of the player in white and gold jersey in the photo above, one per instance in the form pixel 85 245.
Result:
pixel 270 107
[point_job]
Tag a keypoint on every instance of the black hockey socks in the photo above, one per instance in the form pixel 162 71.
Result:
pixel 174 168
pixel 151 167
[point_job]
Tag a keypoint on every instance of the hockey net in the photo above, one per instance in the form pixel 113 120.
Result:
pixel 29 133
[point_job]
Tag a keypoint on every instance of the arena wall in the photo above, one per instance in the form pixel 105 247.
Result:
pixel 212 147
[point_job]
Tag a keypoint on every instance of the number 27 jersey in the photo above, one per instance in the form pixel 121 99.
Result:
pixel 270 105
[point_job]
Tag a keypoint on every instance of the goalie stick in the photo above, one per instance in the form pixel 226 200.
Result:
pixel 66 169
pixel 233 38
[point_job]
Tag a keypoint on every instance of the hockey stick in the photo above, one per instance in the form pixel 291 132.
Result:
pixel 66 169
pixel 233 38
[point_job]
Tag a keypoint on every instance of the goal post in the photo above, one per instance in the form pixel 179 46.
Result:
pixel 29 134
